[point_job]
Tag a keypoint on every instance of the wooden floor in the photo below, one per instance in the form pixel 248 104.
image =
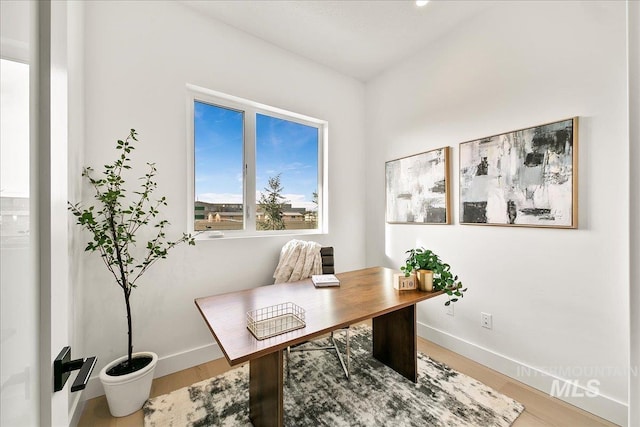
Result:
pixel 541 409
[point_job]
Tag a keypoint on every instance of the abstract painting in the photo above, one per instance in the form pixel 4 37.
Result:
pixel 526 177
pixel 417 188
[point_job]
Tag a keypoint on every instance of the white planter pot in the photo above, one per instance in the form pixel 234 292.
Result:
pixel 127 393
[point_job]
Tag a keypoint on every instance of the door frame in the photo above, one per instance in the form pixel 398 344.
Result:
pixel 49 158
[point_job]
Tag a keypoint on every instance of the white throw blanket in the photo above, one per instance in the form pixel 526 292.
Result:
pixel 298 260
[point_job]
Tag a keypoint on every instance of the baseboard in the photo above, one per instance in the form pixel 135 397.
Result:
pixel 598 404
pixel 166 365
pixel 76 412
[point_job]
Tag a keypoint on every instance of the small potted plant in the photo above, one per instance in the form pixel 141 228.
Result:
pixel 422 261
pixel 115 223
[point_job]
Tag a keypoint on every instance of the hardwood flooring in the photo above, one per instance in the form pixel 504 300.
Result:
pixel 541 409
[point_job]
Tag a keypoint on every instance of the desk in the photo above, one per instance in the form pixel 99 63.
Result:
pixel 362 294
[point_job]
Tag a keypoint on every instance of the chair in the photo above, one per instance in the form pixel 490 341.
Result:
pixel 327 260
pixel 327 268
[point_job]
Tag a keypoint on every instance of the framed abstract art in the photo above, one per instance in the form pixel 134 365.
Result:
pixel 417 188
pixel 527 177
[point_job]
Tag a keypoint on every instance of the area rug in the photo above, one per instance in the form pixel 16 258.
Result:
pixel 318 394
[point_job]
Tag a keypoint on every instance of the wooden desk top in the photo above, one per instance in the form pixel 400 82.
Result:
pixel 362 294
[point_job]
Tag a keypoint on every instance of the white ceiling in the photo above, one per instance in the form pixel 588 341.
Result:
pixel 357 38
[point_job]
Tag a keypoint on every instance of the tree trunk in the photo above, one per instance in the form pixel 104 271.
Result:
pixel 129 328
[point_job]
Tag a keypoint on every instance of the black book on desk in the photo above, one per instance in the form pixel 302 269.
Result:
pixel 324 280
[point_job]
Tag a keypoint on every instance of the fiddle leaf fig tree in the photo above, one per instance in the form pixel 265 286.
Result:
pixel 443 278
pixel 115 221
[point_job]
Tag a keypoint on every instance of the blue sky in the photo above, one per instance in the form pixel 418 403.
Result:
pixel 284 147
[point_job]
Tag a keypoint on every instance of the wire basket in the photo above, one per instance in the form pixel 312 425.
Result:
pixel 275 320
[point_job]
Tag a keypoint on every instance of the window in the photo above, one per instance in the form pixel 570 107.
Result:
pixel 257 170
pixel 219 164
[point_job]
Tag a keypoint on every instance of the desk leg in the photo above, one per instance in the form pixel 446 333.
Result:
pixel 265 390
pixel 395 342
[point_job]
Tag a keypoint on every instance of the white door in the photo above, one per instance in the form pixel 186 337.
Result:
pixel 33 224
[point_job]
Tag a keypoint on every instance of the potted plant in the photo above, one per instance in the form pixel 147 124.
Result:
pixel 115 221
pixel 421 259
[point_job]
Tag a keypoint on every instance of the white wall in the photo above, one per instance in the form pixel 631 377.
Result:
pixel 559 298
pixel 139 56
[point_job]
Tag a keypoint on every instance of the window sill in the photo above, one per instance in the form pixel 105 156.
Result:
pixel 226 235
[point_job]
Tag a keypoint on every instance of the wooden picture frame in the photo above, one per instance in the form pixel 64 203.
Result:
pixel 417 188
pixel 527 177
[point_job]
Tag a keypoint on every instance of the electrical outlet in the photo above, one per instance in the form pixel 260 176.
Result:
pixel 486 320
pixel 449 309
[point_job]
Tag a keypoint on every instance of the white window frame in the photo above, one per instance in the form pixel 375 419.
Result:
pixel 250 109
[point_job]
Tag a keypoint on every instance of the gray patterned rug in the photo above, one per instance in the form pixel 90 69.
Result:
pixel 317 394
